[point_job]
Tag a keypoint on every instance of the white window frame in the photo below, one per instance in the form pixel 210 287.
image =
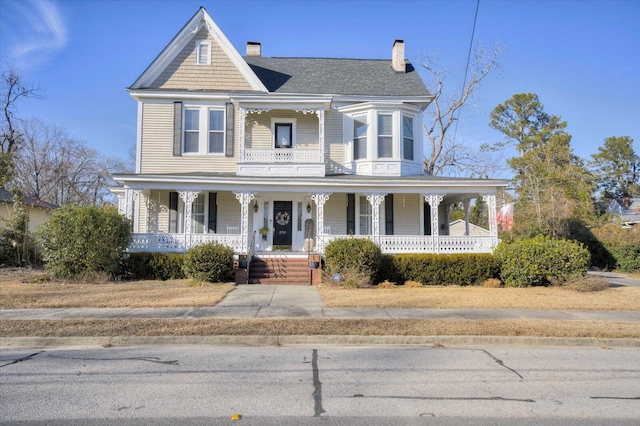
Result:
pixel 413 138
pixel 276 120
pixel 391 135
pixel 202 197
pixel 203 129
pixel 368 215
pixel 223 131
pixel 199 59
pixel 366 136
pixel 198 131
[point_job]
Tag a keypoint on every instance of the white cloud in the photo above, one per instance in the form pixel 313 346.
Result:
pixel 37 32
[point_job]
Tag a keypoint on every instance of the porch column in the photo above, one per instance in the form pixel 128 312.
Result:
pixel 320 113
pixel 319 199
pixel 375 200
pixel 130 195
pixel 243 120
pixel 447 216
pixel 245 199
pixel 490 199
pixel 434 201
pixel 466 204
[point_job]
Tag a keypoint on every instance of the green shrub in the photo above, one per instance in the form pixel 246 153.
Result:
pixel 541 260
pixel 358 254
pixel 446 269
pixel 84 239
pixel 622 246
pixel 211 262
pixel 154 266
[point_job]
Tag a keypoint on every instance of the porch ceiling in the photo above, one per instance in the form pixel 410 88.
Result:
pixel 455 187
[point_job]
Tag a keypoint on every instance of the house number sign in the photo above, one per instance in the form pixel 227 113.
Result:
pixel 283 218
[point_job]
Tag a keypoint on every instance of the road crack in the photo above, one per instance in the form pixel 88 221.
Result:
pixel 501 363
pixel 317 386
pixel 24 358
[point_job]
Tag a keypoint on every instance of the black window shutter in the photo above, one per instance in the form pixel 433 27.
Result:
pixel 388 214
pixel 213 212
pixel 427 219
pixel 228 152
pixel 177 128
pixel 173 212
pixel 351 214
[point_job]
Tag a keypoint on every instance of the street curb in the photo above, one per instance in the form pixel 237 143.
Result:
pixel 435 341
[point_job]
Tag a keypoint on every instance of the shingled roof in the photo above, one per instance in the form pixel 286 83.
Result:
pixel 369 77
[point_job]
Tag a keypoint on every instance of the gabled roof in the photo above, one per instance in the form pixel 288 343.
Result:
pixel 630 214
pixel 185 36
pixel 336 76
pixel 7 197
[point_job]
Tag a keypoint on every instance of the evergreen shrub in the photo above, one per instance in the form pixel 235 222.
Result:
pixel 541 260
pixel 446 269
pixel 355 254
pixel 154 266
pixel 622 246
pixel 81 240
pixel 212 262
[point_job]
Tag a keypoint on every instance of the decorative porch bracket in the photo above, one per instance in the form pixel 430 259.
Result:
pixel 243 124
pixel 245 199
pixel 490 199
pixel 320 199
pixel 434 201
pixel 375 200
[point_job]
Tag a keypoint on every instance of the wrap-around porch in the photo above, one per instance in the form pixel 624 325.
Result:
pixel 270 220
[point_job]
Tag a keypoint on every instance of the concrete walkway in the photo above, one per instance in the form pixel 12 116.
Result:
pixel 272 301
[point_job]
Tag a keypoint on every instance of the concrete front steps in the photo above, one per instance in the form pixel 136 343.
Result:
pixel 282 269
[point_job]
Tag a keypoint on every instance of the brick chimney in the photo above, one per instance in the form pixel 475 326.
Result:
pixel 253 48
pixel 397 56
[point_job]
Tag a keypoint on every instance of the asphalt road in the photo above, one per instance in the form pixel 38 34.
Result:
pixel 327 385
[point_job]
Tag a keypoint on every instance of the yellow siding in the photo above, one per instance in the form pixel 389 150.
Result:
pixel 157 146
pixel 334 146
pixel 229 211
pixel 406 219
pixel 335 213
pixel 184 73
pixel 259 129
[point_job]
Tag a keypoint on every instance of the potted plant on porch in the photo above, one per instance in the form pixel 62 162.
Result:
pixel 264 232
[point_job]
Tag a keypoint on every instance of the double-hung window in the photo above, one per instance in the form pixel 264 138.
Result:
pixel 191 130
pixel 365 216
pixel 407 137
pixel 385 136
pixel 360 128
pixel 216 131
pixel 197 215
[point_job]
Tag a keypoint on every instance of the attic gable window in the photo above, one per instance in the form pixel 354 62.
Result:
pixel 203 52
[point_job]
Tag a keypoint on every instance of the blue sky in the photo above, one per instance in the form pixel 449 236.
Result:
pixel 582 58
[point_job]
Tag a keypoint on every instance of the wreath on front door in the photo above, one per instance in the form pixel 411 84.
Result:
pixel 283 217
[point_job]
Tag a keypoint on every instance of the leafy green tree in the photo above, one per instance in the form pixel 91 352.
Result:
pixel 553 187
pixel 617 169
pixel 78 240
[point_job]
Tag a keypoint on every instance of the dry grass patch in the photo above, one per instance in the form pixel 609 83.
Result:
pixel 274 327
pixel 553 298
pixel 135 294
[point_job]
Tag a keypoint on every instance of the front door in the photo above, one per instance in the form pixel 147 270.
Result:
pixel 282 212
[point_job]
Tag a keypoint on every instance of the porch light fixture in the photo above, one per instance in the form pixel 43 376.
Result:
pixel 255 207
pixel 308 207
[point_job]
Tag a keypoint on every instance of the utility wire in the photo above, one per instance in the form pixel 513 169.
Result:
pixel 466 71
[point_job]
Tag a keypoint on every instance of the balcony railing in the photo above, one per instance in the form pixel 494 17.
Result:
pixel 280 155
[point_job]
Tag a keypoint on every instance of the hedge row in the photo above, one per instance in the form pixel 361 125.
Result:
pixel 443 269
pixel 154 266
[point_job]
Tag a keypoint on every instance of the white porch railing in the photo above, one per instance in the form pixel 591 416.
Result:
pixel 281 155
pixel 181 242
pixel 393 244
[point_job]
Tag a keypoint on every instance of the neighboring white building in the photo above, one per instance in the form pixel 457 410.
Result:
pixel 311 149
pixel 460 227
